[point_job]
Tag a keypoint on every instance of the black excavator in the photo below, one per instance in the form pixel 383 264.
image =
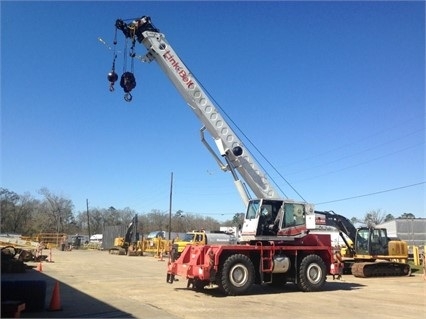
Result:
pixel 122 245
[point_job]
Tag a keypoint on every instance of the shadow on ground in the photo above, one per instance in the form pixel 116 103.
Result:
pixel 287 288
pixel 72 303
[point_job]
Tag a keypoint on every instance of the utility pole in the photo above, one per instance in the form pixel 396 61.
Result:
pixel 88 219
pixel 170 206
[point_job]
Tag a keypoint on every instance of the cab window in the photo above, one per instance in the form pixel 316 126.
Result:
pixel 294 215
pixel 252 209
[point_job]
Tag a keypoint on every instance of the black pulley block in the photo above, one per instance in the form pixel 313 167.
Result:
pixel 128 81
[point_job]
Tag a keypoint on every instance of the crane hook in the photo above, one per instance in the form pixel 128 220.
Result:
pixel 128 97
pixel 112 77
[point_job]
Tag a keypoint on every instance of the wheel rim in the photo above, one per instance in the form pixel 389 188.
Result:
pixel 238 275
pixel 314 273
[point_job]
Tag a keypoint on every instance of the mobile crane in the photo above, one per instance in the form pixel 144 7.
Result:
pixel 277 246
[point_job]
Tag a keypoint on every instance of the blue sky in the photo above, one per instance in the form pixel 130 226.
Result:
pixel 331 93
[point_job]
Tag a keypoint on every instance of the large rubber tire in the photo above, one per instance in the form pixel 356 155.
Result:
pixel 237 275
pixel 312 273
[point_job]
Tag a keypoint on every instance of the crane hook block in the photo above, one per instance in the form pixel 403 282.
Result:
pixel 112 78
pixel 128 81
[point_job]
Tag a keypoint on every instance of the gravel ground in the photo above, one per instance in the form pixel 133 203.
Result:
pixel 95 284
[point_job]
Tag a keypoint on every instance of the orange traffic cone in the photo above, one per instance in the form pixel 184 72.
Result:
pixel 39 267
pixel 55 302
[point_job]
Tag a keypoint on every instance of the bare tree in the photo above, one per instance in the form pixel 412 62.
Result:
pixel 374 217
pixel 16 211
pixel 8 202
pixel 158 220
pixel 96 218
pixel 28 216
pixel 58 211
pixel 99 218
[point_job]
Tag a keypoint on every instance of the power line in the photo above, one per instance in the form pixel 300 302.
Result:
pixel 371 194
pixel 361 163
pixel 348 155
pixel 367 137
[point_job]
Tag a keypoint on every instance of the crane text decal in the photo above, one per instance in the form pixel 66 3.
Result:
pixel 178 68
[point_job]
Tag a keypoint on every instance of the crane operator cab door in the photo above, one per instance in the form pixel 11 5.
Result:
pixel 371 242
pixel 259 216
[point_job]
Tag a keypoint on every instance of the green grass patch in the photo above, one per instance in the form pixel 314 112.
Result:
pixel 415 268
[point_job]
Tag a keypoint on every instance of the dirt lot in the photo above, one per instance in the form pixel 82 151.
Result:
pixel 95 284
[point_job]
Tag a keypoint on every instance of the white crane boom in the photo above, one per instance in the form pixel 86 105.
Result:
pixel 229 145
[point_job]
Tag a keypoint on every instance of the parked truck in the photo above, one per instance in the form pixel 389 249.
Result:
pixel 276 243
pixel 202 238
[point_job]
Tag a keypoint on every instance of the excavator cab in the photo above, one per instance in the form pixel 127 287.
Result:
pixel 376 255
pixel 371 242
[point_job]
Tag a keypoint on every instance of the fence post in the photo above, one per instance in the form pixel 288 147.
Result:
pixel 416 255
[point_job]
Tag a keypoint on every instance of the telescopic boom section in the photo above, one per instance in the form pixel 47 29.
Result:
pixel 229 145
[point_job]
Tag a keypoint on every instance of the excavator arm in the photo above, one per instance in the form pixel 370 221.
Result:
pixel 341 223
pixel 131 233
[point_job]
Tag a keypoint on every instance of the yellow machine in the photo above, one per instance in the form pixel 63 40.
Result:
pixel 369 252
pixel 127 245
pixel 203 238
pixel 375 254
pixel 194 238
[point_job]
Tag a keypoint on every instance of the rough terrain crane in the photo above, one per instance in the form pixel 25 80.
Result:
pixel 277 244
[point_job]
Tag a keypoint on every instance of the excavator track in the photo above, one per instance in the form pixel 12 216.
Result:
pixel 380 269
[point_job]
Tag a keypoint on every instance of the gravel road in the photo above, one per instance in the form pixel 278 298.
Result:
pixel 95 284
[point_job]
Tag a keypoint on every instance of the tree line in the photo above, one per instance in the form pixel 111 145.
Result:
pixel 25 215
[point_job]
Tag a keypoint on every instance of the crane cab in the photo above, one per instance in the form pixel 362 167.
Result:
pixel 266 219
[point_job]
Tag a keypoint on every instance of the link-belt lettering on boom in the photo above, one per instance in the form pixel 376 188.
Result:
pixel 179 69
